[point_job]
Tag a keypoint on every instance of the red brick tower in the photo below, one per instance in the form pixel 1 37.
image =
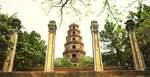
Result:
pixel 74 46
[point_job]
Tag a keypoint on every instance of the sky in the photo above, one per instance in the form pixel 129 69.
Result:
pixel 34 16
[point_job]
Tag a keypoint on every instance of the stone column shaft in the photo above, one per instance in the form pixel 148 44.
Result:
pixel 98 64
pixel 8 65
pixel 49 61
pixel 137 55
pixel 96 51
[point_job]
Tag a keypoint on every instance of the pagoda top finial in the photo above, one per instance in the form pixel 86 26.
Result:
pixel 73 24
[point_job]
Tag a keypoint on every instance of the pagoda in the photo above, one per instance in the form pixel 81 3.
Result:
pixel 74 46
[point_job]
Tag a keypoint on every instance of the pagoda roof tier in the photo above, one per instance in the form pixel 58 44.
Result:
pixel 71 51
pixel 73 30
pixel 74 35
pixel 74 42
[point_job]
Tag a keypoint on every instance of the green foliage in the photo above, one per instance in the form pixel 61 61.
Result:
pixel 6 27
pixel 116 42
pixel 109 58
pixel 86 61
pixel 118 45
pixel 143 30
pixel 30 51
pixel 62 62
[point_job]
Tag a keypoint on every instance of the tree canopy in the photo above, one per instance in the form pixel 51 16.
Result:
pixel 86 61
pixel 117 42
pixel 142 16
pixel 116 45
pixel 30 51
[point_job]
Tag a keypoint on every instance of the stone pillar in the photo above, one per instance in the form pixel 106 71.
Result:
pixel 49 62
pixel 96 48
pixel 139 64
pixel 8 65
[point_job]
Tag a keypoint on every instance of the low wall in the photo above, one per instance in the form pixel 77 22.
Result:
pixel 116 73
pixel 73 68
pixel 58 69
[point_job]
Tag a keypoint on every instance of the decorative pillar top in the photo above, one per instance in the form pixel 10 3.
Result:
pixel 94 26
pixel 130 24
pixel 52 26
pixel 16 24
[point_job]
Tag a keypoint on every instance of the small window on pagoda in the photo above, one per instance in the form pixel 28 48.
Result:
pixel 73 46
pixel 73 32
pixel 73 27
pixel 73 39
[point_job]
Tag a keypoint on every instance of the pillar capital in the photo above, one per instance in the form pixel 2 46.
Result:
pixel 94 26
pixel 16 24
pixel 130 24
pixel 52 26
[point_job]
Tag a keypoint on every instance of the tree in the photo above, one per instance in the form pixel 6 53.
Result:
pixel 30 49
pixel 109 59
pixel 62 62
pixel 86 61
pixel 64 8
pixel 142 29
pixel 116 42
pixel 7 25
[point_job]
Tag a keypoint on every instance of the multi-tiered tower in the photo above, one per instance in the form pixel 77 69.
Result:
pixel 74 46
